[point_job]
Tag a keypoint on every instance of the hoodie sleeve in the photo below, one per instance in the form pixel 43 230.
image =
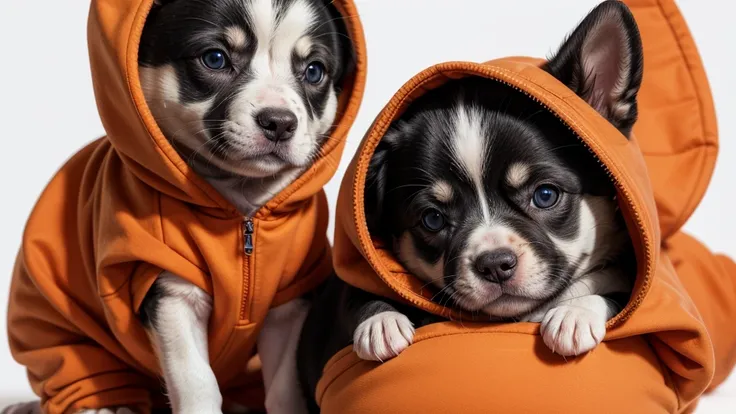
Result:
pixel 710 280
pixel 68 369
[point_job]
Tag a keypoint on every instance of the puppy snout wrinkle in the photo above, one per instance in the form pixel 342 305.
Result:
pixel 277 124
pixel 496 266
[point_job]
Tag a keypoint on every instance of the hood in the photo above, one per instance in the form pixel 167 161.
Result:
pixel 676 132
pixel 114 32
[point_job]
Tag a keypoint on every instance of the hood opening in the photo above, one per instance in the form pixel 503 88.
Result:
pixel 114 33
pixel 617 155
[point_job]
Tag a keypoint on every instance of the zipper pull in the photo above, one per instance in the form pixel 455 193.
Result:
pixel 248 230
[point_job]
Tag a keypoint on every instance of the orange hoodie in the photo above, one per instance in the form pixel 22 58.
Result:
pixel 127 207
pixel 671 342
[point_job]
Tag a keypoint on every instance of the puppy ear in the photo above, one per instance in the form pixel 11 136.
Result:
pixel 601 61
pixel 377 180
pixel 347 51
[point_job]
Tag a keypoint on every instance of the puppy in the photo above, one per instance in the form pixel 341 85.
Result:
pixel 246 92
pixel 489 198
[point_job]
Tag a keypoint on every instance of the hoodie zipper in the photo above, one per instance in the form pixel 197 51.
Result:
pixel 634 302
pixel 248 250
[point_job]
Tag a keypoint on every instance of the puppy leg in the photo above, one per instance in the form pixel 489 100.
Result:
pixel 277 348
pixel 177 315
pixel 380 331
pixel 576 322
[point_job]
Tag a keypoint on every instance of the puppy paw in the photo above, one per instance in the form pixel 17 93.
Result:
pixel 33 407
pixel 572 330
pixel 383 336
pixel 118 410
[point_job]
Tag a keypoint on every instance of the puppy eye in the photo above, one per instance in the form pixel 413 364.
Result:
pixel 215 59
pixel 314 73
pixel 545 196
pixel 433 220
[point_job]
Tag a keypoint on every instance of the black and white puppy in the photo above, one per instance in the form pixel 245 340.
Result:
pixel 492 200
pixel 246 92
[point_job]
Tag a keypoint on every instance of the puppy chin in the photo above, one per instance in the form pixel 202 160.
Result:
pixel 509 306
pixel 264 166
pixel 473 294
pixel 259 158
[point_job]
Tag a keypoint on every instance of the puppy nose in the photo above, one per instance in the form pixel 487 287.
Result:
pixel 278 124
pixel 496 266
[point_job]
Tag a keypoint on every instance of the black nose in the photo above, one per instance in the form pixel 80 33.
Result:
pixel 496 266
pixel 278 124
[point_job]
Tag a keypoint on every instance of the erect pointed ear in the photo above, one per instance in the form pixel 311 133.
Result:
pixel 601 61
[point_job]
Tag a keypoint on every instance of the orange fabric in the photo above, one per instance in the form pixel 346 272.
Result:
pixel 127 207
pixel 670 343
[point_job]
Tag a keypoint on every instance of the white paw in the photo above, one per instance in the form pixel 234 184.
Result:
pixel 119 410
pixel 33 407
pixel 383 336
pixel 572 330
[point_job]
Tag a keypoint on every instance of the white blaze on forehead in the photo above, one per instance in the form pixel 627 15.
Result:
pixel 236 37
pixel 517 175
pixel 469 151
pixel 442 191
pixel 278 37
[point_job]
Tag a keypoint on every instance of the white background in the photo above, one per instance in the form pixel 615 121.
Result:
pixel 47 109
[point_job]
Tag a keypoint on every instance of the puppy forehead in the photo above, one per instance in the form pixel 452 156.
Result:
pixel 280 24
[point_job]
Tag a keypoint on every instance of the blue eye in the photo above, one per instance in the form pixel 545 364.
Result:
pixel 315 73
pixel 545 196
pixel 215 59
pixel 433 220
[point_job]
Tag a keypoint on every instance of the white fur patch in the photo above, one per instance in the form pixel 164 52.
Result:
pixel 178 121
pixel 277 348
pixel 181 343
pixel 303 46
pixel 236 37
pixel 383 336
pixel 595 218
pixel 442 191
pixel 517 175
pixel 575 328
pixel 469 151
